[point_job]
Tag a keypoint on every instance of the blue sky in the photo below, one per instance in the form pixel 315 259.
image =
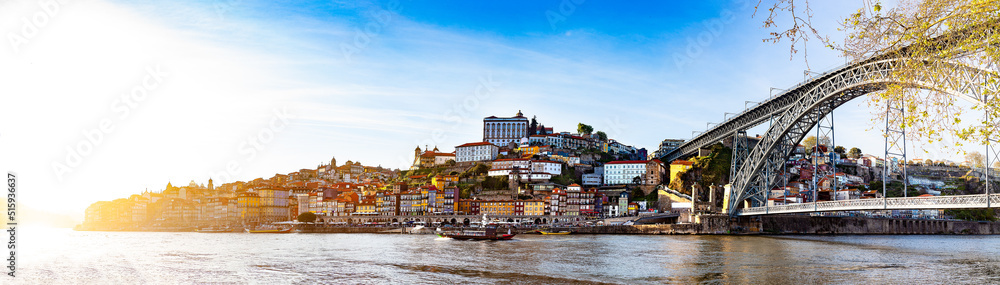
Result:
pixel 275 86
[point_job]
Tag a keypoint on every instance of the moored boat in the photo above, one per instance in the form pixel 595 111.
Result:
pixel 479 234
pixel 555 233
pixel 269 231
pixel 483 233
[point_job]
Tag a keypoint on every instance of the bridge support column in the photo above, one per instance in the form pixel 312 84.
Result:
pixel 712 190
pixel 895 145
pixel 992 151
pixel 825 130
pixel 726 195
pixel 740 152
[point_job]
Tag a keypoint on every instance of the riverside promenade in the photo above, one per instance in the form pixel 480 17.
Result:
pixel 721 224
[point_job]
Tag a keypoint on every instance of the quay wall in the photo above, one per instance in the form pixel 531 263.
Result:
pixel 722 224
pixel 798 224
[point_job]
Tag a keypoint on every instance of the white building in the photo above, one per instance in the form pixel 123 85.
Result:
pixel 538 140
pixel 502 131
pixel 477 151
pixel 525 166
pixel 622 172
pixel 551 167
pixel 510 163
pixel 555 141
pixel 443 157
pixel 592 179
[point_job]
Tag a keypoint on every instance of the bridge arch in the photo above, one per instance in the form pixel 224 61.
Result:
pixel 758 174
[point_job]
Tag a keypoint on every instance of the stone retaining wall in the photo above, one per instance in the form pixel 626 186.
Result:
pixel 793 224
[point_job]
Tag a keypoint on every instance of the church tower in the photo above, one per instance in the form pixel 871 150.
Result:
pixel 514 182
pixel 333 162
pixel 211 187
pixel 416 157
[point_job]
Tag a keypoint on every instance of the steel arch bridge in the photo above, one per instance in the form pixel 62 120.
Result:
pixel 759 171
pixel 800 108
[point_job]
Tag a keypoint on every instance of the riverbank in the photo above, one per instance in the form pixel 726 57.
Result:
pixel 709 225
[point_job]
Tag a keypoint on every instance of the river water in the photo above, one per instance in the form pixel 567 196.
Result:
pixel 62 256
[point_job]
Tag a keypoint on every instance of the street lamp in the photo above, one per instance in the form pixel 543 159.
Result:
pixel 771 92
pixel 805 73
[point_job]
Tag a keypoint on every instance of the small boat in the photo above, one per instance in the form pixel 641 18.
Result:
pixel 555 233
pixel 270 231
pixel 481 234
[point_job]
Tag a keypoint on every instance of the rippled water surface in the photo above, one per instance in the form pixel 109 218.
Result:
pixel 60 256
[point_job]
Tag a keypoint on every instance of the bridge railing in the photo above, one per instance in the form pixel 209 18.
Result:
pixel 910 203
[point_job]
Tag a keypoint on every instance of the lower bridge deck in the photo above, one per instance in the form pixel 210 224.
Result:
pixel 909 203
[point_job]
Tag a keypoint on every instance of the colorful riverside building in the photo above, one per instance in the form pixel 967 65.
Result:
pixel 495 207
pixel 366 208
pixel 502 207
pixel 557 202
pixel 221 211
pixel 248 206
pixel 530 208
pixel 273 204
pixel 442 202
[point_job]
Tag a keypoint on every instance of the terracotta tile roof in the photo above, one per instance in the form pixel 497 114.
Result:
pixel 628 162
pixel 475 144
pixel 682 162
pixel 511 159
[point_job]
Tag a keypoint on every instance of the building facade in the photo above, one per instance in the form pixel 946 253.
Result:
pixel 503 131
pixel 624 172
pixel 477 151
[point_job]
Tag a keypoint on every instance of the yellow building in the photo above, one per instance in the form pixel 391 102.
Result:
pixel 496 207
pixel 366 209
pixel 440 181
pixel 528 151
pixel 678 166
pixel 533 207
pixel 248 207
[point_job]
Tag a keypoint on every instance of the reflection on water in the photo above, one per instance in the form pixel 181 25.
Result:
pixel 57 256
